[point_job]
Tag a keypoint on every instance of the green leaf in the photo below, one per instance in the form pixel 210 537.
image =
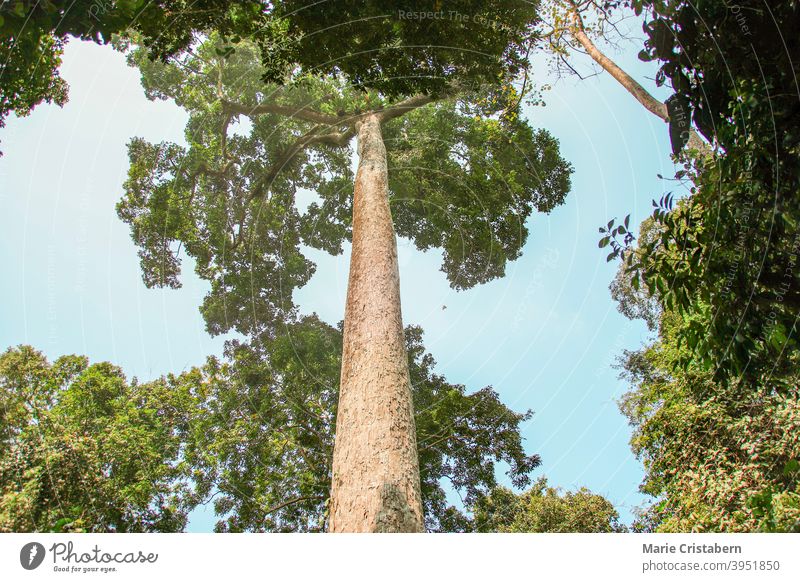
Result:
pixel 791 467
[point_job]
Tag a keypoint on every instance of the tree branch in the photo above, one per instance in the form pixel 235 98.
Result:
pixel 292 502
pixel 303 112
pixel 311 137
pixel 401 108
pixel 317 135
pixel 633 87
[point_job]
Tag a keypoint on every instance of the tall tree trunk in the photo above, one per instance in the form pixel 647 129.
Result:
pixel 376 486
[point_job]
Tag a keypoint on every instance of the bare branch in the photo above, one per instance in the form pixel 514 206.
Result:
pixel 303 112
pixel 633 87
pixel 293 501
pixel 403 107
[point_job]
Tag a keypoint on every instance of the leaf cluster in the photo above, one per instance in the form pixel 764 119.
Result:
pixel 84 450
pixel 33 34
pixel 401 50
pixel 545 509
pixel 731 247
pixel 718 456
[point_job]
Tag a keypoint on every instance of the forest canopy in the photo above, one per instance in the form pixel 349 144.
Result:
pixel 311 129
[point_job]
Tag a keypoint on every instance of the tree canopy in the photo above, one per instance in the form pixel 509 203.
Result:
pixel 414 48
pixel 463 178
pixel 544 509
pixel 82 449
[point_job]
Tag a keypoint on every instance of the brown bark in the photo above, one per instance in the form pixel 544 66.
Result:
pixel 375 486
pixel 633 87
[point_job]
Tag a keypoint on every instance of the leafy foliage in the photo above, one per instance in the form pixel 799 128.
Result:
pixel 265 436
pixel 717 456
pixel 468 184
pixel 229 200
pixel 730 249
pixel 372 44
pixel 84 450
pixel 29 74
pixel 544 509
pixel 33 34
pixel 416 47
pixel 633 300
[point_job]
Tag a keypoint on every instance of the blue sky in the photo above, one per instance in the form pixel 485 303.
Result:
pixel 545 336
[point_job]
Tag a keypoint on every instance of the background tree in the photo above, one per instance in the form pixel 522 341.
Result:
pixel 229 200
pixel 33 35
pixel 717 456
pixel 726 256
pixel 570 27
pixel 264 437
pixel 84 450
pixel 543 509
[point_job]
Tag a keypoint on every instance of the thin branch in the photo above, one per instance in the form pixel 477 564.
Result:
pixel 566 63
pixel 292 502
pixel 303 112
pixel 524 80
pixel 311 137
pixel 432 445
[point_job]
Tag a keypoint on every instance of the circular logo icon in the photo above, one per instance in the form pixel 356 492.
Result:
pixel 31 555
